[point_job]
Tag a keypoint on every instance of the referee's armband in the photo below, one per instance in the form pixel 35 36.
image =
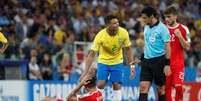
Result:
pixel 167 61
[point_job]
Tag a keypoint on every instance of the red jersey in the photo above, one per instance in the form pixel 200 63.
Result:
pixel 177 51
pixel 92 96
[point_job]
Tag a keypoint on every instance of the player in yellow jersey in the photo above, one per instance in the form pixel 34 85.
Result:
pixel 4 43
pixel 108 43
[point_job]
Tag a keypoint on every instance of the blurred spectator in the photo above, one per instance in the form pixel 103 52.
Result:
pixel 60 35
pixel 33 53
pixel 79 23
pixel 198 78
pixel 46 66
pixel 12 51
pixel 139 47
pixel 69 44
pixel 34 69
pixel 31 41
pixel 22 24
pixel 65 67
pixel 79 54
pixel 4 43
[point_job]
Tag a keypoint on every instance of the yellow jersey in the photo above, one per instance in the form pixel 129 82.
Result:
pixel 109 48
pixel 3 38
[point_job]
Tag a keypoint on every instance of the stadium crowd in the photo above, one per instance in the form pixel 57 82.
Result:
pixel 44 31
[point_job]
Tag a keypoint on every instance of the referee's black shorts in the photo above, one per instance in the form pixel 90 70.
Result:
pixel 152 70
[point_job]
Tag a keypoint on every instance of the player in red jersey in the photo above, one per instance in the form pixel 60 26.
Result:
pixel 180 41
pixel 89 82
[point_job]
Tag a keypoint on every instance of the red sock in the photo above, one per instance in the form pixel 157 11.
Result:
pixel 168 94
pixel 168 88
pixel 179 93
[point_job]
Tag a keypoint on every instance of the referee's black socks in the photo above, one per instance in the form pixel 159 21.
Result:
pixel 143 97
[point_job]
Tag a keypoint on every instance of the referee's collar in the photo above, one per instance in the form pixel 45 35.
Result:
pixel 151 26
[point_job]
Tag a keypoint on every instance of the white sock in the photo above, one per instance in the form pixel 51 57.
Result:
pixel 117 96
pixel 101 90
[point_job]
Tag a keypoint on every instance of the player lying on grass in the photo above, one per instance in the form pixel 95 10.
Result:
pixel 89 83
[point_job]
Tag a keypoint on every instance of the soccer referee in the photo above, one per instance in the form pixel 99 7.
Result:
pixel 156 62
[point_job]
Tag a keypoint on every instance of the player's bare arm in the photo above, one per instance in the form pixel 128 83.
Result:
pixel 185 44
pixel 131 61
pixel 73 93
pixel 84 81
pixel 89 61
pixel 167 70
pixel 167 50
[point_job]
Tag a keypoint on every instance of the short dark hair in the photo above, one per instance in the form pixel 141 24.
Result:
pixel 149 11
pixel 92 82
pixel 171 10
pixel 109 18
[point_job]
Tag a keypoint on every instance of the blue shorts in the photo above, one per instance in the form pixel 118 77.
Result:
pixel 111 72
